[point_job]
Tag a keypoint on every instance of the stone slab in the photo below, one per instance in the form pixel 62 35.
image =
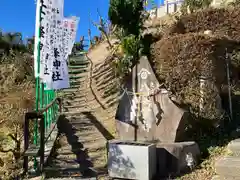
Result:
pixel 176 158
pixel 228 167
pixel 223 178
pixel 149 118
pixel 234 147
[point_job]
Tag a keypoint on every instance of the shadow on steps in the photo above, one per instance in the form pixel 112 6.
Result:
pixel 82 159
pixel 99 126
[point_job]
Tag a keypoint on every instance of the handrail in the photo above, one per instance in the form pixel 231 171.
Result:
pixel 38 115
pixel 42 110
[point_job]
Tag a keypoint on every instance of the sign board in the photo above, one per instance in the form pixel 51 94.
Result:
pixel 50 44
pixel 69 33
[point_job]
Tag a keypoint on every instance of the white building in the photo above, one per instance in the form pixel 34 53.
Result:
pixel 170 6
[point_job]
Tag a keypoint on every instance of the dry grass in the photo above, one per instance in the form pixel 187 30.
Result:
pixel 15 99
pixel 223 21
pixel 180 60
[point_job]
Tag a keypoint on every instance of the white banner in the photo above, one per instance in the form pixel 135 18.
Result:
pixel 37 39
pixel 53 70
pixel 69 33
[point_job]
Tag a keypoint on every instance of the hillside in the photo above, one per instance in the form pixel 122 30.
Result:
pixel 104 84
pixel 185 48
pixel 16 97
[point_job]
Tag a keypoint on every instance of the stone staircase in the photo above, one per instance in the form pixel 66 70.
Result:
pixel 81 147
pixel 228 168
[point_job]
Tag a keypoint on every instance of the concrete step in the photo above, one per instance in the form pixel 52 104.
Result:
pixel 73 178
pixel 92 146
pixel 67 171
pixel 92 156
pixel 74 114
pixel 75 110
pixel 106 102
pixel 234 147
pixel 78 66
pixel 78 77
pixel 73 106
pixel 78 62
pixel 78 71
pixel 228 167
pixel 74 102
pixel 76 106
pixel 71 157
pixel 82 92
pixel 35 178
pixel 71 89
pixel 223 178
pixel 77 83
pixel 73 96
pixel 75 89
pixel 78 59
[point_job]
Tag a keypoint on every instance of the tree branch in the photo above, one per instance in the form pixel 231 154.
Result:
pixel 13 138
pixel 103 32
pixel 6 151
pixel 101 27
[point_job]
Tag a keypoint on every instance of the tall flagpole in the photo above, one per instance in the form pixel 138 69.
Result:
pixel 37 69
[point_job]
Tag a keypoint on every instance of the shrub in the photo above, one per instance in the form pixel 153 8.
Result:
pixel 13 105
pixel 181 60
pixel 128 57
pixel 127 14
pixel 222 22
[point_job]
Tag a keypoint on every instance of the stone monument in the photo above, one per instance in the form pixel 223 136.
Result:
pixel 145 111
pixel 147 114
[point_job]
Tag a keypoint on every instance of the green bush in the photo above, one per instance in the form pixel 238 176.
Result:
pixel 130 45
pixel 235 58
pixel 127 14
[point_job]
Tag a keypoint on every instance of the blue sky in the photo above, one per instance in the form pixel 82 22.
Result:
pixel 19 15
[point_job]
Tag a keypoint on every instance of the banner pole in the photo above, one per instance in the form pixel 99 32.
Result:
pixel 37 71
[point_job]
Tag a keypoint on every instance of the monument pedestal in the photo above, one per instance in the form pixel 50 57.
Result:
pixel 131 160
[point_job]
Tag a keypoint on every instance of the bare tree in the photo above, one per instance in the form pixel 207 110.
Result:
pixel 102 28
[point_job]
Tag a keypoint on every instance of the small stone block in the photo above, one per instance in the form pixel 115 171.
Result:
pixel 234 147
pixel 228 167
pixel 175 158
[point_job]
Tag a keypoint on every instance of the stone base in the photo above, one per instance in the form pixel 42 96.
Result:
pixel 131 160
pixel 173 158
pixel 234 147
pixel 228 167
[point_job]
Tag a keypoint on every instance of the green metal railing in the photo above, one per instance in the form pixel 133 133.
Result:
pixel 43 99
pixel 45 116
pixel 45 121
